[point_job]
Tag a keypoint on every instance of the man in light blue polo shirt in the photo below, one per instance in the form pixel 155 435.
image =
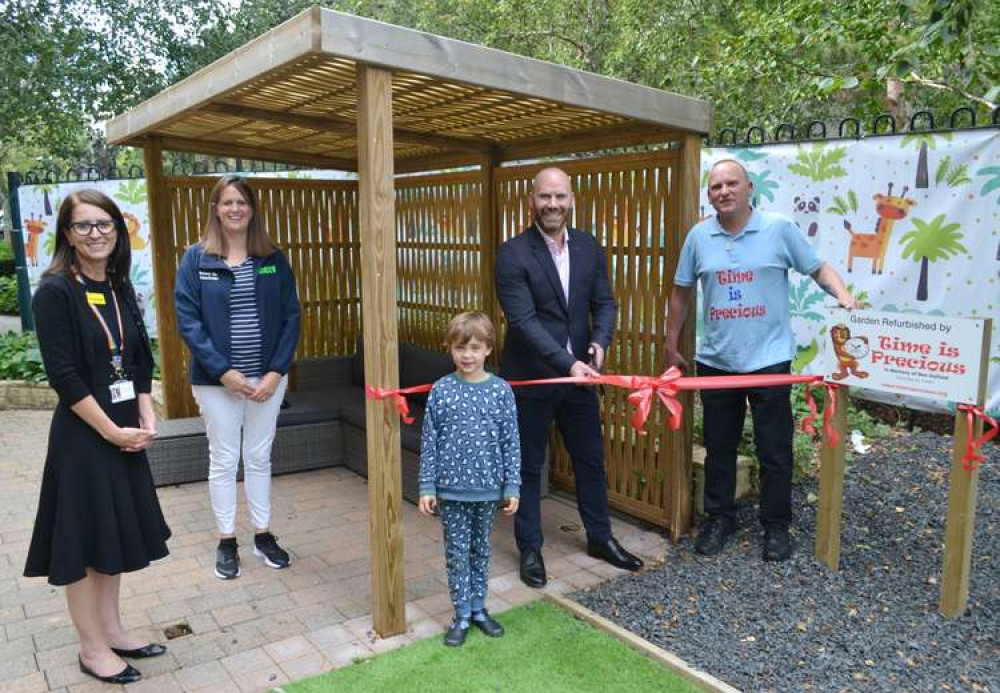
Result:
pixel 741 258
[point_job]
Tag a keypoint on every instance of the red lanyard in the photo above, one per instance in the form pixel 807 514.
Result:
pixel 117 352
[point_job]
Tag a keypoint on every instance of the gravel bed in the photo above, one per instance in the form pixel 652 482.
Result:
pixel 872 626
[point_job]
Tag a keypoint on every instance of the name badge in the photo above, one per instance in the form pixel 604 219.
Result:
pixel 268 269
pixel 96 299
pixel 208 276
pixel 121 391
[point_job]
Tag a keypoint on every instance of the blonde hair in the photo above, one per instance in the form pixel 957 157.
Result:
pixel 470 325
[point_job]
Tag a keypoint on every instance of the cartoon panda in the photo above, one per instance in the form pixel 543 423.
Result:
pixel 806 213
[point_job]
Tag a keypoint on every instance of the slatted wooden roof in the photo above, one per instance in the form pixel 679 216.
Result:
pixel 290 95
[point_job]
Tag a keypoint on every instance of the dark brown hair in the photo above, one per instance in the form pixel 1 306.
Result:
pixel 64 257
pixel 466 326
pixel 213 239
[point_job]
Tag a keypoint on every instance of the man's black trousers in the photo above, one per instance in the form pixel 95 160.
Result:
pixel 576 413
pixel 725 411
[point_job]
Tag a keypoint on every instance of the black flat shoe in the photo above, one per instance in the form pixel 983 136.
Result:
pixel 153 649
pixel 457 632
pixel 613 552
pixel 486 623
pixel 127 675
pixel 533 569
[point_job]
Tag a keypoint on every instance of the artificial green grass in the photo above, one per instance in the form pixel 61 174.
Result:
pixel 545 649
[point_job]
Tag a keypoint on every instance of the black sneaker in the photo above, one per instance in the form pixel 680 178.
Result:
pixel 777 544
pixel 486 623
pixel 457 632
pixel 713 537
pixel 265 547
pixel 227 560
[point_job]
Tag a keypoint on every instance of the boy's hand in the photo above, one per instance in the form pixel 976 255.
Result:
pixel 427 505
pixel 510 506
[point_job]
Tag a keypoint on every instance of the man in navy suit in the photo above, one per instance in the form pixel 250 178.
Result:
pixel 552 282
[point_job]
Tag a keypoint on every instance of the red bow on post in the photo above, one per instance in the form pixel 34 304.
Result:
pixel 665 387
pixel 808 423
pixel 398 397
pixel 974 446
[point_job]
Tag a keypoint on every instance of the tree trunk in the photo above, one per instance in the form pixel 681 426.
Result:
pixel 922 166
pixel 922 284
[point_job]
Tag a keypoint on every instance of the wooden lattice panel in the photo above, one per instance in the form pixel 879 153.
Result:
pixel 626 203
pixel 439 249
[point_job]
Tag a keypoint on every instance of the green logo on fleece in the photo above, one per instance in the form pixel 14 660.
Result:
pixel 268 269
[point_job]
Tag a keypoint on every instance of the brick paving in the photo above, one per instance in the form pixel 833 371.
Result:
pixel 268 627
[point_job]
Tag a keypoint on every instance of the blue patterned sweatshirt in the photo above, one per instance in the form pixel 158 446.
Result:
pixel 470 449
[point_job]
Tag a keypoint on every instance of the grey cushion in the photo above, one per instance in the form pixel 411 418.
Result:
pixel 421 366
pixel 358 362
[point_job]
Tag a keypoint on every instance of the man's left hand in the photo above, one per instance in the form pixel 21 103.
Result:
pixel 849 302
pixel 266 387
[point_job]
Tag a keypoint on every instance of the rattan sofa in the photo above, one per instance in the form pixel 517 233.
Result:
pixel 323 425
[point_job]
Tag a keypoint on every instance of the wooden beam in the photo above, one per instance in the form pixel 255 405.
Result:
pixel 378 299
pixel 489 239
pixel 437 162
pixel 624 135
pixel 186 144
pixel 287 43
pixel 164 272
pixel 346 126
pixel 450 60
pixel 831 484
pixel 684 195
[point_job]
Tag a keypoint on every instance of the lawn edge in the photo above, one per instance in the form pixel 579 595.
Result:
pixel 667 659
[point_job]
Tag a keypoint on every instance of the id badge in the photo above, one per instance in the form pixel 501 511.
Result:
pixel 121 391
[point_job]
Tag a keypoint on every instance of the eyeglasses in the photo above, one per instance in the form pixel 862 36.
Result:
pixel 86 228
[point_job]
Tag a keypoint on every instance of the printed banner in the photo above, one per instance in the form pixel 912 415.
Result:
pixel 909 354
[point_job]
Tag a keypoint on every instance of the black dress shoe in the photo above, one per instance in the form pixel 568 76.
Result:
pixel 713 536
pixel 486 623
pixel 457 632
pixel 613 552
pixel 777 544
pixel 533 569
pixel 153 649
pixel 127 675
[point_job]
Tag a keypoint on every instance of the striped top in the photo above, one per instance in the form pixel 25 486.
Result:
pixel 244 321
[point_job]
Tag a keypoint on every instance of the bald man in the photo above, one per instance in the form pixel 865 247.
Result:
pixel 552 282
pixel 741 257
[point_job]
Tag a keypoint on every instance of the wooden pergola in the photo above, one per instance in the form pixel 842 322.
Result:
pixel 330 90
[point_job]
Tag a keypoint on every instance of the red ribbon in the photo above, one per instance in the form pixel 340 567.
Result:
pixel 809 422
pixel 974 446
pixel 643 390
pixel 398 396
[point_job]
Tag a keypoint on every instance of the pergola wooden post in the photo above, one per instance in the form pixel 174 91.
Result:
pixel 378 301
pixel 686 211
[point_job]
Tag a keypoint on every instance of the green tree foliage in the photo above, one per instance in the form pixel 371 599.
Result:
pixel 819 163
pixel 931 241
pixel 69 64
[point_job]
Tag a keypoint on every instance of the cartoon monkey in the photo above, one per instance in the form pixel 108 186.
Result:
pixel 849 350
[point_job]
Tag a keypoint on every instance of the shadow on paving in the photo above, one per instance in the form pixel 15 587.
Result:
pixel 796 625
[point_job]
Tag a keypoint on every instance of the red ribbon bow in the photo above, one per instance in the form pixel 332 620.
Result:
pixel 973 445
pixel 809 422
pixel 398 396
pixel 665 387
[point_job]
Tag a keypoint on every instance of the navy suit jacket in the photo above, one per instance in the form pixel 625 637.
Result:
pixel 539 320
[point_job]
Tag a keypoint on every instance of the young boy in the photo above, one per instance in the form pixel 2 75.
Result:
pixel 470 465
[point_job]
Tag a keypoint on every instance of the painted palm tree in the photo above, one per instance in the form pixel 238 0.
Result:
pixel 924 141
pixel 929 242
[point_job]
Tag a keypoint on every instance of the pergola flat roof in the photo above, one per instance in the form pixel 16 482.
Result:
pixel 291 96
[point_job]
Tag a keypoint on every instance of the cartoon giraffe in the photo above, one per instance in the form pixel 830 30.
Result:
pixel 35 228
pixel 889 209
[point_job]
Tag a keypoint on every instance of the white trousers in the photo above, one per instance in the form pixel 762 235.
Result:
pixel 233 424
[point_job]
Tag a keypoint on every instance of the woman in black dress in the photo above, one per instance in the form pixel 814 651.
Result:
pixel 98 515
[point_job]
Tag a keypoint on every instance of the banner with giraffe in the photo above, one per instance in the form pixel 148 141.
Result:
pixel 911 222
